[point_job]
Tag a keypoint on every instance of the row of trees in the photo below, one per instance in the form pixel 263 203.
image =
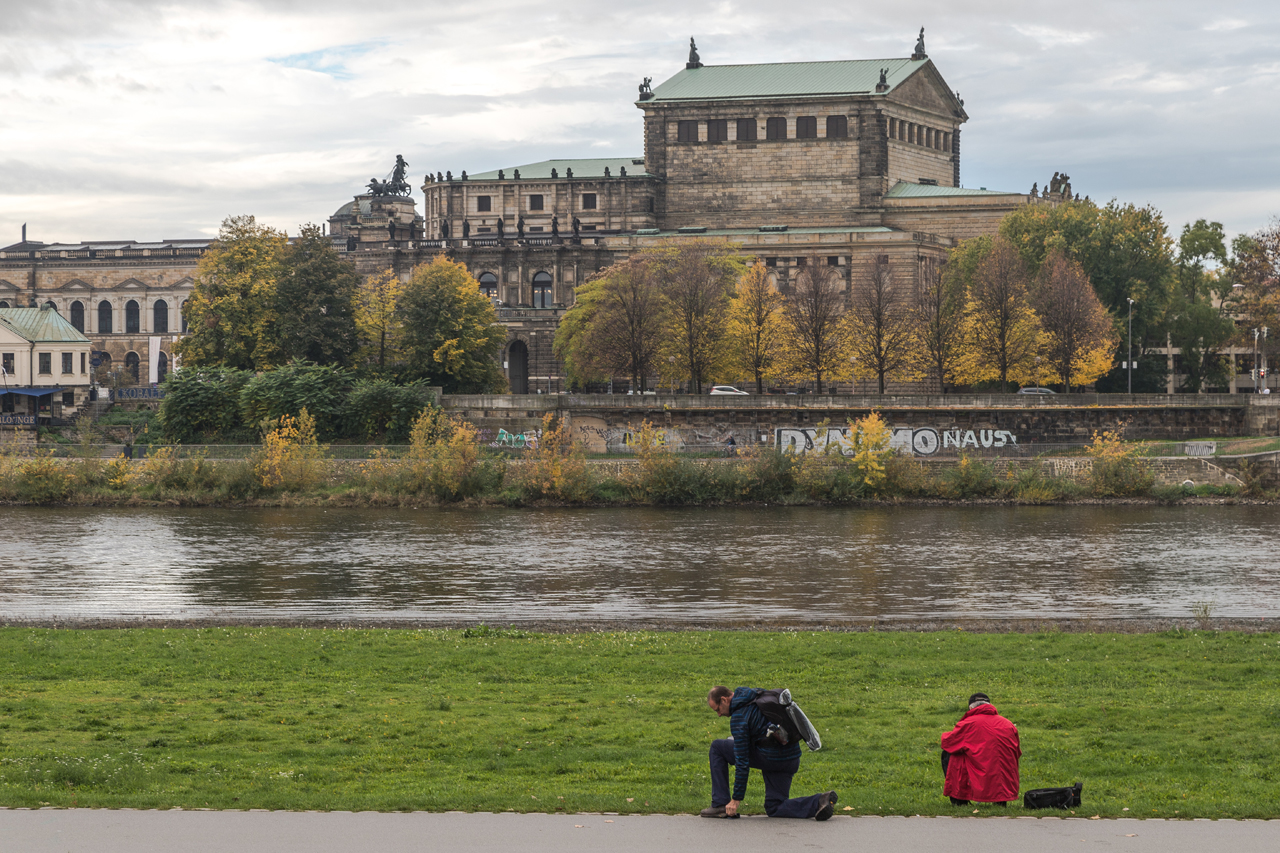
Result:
pixel 697 312
pixel 262 300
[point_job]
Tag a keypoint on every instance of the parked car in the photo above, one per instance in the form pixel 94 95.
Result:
pixel 726 389
pixel 1036 391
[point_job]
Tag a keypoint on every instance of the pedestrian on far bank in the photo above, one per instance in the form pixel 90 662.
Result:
pixel 980 756
pixel 754 744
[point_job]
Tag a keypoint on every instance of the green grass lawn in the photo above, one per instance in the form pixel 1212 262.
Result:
pixel 1183 724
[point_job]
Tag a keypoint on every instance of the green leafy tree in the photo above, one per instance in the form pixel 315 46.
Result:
pixel 1197 321
pixel 314 302
pixel 231 314
pixel 451 333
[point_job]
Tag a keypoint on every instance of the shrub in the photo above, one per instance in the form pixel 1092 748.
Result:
pixel 444 459
pixel 969 478
pixel 767 475
pixel 201 404
pixel 556 468
pixel 42 479
pixel 663 478
pixel 165 469
pixel 378 408
pixel 291 458
pixel 1118 470
pixel 298 385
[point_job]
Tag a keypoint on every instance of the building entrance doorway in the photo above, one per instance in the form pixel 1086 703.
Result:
pixel 518 367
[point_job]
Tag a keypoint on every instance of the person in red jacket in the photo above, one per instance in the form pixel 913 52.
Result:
pixel 980 756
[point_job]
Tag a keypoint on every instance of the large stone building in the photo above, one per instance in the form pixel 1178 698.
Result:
pixel 844 163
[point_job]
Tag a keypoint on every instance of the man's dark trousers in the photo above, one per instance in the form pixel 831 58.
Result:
pixel 777 782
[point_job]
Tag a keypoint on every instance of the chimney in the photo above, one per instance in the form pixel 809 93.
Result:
pixel 24 232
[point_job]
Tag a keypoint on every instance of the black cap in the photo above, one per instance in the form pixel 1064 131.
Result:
pixel 979 697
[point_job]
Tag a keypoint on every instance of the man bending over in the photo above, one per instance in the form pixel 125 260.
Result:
pixel 752 744
pixel 980 756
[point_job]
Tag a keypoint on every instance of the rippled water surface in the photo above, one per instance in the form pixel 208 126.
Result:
pixel 726 565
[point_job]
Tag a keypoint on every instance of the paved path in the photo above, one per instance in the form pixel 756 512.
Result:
pixel 123 831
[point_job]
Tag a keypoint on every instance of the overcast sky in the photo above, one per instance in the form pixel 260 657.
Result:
pixel 153 119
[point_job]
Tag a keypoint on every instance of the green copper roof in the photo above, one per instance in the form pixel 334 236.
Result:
pixel 737 82
pixel 581 169
pixel 903 189
pixel 42 325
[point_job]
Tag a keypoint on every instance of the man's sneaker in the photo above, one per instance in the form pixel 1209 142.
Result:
pixel 826 805
pixel 715 811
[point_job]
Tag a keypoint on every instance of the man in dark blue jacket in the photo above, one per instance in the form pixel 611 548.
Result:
pixel 752 745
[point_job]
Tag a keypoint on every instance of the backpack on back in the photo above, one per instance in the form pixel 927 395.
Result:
pixel 779 708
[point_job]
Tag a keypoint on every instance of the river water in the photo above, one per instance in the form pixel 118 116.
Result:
pixel 650 566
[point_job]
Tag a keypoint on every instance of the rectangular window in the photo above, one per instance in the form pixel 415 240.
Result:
pixel 46 362
pixel 837 127
pixel 833 260
pixel 83 358
pixel 7 363
pixel 68 363
pixel 746 130
pixel 801 262
pixel 718 130
pixel 588 201
pixel 483 229
pixel 535 228
pixel 588 227
pixel 68 399
pixel 483 204
pixel 806 127
pixel 687 131
pixel 770 262
pixel 535 202
pixel 775 128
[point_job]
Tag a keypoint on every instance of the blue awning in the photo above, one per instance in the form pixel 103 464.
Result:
pixel 30 392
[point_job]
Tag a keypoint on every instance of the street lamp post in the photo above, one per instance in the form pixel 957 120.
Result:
pixel 1129 362
pixel 1255 360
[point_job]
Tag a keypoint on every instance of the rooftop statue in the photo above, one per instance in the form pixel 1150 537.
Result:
pixel 395 184
pixel 919 51
pixel 694 60
pixel 646 92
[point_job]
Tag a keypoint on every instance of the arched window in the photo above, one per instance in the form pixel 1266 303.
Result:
pixel 542 290
pixel 50 304
pixel 159 317
pixel 132 318
pixel 4 303
pixel 104 317
pixel 183 310
pixel 77 316
pixel 162 369
pixel 489 285
pixel 131 365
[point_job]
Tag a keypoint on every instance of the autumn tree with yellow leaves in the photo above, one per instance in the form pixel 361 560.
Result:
pixel 880 326
pixel 1002 331
pixel 756 326
pixel 451 335
pixel 378 320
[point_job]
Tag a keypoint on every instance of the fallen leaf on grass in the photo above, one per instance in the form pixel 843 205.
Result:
pixel 1096 817
pixel 631 799
pixel 848 808
pixel 975 811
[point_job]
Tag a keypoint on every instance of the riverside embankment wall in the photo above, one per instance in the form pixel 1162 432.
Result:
pixel 938 425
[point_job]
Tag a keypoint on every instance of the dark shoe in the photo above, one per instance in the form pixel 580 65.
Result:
pixel 956 802
pixel 826 805
pixel 715 811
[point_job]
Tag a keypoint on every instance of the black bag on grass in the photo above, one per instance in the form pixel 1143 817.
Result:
pixel 1053 798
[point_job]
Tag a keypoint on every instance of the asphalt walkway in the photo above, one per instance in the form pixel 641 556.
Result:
pixel 124 831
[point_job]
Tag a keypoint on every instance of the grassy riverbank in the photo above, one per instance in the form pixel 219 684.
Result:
pixel 1181 724
pixel 455 470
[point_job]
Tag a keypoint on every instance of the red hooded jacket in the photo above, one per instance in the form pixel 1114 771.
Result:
pixel 984 757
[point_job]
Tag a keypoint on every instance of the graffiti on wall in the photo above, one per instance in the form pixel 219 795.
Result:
pixel 526 440
pixel 598 437
pixel 924 441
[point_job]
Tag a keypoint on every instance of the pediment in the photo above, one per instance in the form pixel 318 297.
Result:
pixel 76 284
pixel 130 284
pixel 925 89
pixel 8 337
pixel 7 286
pixel 186 282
